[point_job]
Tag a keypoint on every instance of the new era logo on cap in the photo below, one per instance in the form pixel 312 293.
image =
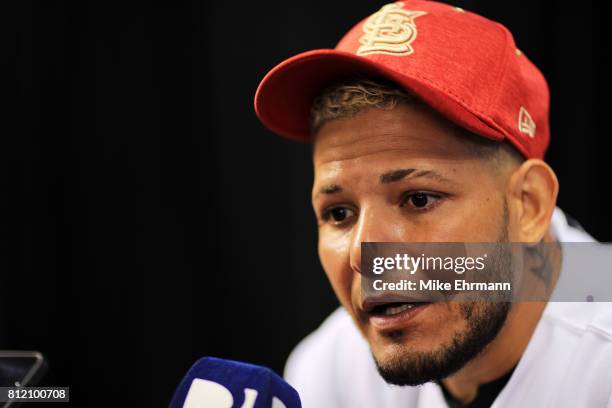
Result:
pixel 526 124
pixel 463 65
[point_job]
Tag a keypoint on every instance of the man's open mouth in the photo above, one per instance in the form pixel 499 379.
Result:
pixel 394 308
pixel 392 316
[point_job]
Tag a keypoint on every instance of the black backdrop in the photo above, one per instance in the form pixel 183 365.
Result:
pixel 152 220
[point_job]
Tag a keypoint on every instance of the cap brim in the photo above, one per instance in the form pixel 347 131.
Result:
pixel 285 95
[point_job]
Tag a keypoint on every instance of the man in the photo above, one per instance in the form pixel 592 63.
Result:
pixel 429 125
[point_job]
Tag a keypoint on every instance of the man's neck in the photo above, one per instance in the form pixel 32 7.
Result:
pixel 505 351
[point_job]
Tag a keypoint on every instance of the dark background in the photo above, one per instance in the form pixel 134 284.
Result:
pixel 152 220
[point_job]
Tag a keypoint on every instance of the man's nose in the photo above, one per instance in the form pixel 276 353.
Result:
pixel 375 225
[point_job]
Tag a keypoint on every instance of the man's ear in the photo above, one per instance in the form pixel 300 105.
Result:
pixel 532 197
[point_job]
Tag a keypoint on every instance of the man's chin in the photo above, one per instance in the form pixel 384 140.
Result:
pixel 405 367
pixel 401 363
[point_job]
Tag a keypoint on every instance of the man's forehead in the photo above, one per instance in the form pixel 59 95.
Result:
pixel 401 133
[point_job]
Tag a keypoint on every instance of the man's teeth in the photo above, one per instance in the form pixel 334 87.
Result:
pixel 393 310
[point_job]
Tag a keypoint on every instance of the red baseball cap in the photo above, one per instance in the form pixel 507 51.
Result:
pixel 463 65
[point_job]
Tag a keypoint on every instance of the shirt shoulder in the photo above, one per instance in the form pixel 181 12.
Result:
pixel 316 351
pixel 566 232
pixel 578 317
pixel 581 318
pixel 313 364
pixel 568 359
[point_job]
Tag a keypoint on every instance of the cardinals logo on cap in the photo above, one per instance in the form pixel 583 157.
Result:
pixel 391 30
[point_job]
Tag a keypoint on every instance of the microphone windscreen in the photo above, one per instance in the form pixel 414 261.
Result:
pixel 216 383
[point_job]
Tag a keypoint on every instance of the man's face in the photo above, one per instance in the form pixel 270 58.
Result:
pixel 405 175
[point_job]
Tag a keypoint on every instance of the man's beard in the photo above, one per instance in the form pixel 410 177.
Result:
pixel 484 321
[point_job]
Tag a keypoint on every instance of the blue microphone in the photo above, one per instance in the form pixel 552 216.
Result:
pixel 217 383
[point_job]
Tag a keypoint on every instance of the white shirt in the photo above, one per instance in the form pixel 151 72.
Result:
pixel 567 363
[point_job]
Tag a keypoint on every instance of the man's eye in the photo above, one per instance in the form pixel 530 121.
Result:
pixel 420 200
pixel 338 214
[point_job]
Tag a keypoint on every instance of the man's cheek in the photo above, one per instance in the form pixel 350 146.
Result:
pixel 335 262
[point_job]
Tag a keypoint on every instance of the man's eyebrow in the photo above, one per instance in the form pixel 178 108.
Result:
pixel 330 189
pixel 388 177
pixel 399 174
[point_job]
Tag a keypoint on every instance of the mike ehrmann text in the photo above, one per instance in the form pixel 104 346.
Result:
pixel 437 285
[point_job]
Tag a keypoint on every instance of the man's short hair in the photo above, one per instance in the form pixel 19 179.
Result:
pixel 346 98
